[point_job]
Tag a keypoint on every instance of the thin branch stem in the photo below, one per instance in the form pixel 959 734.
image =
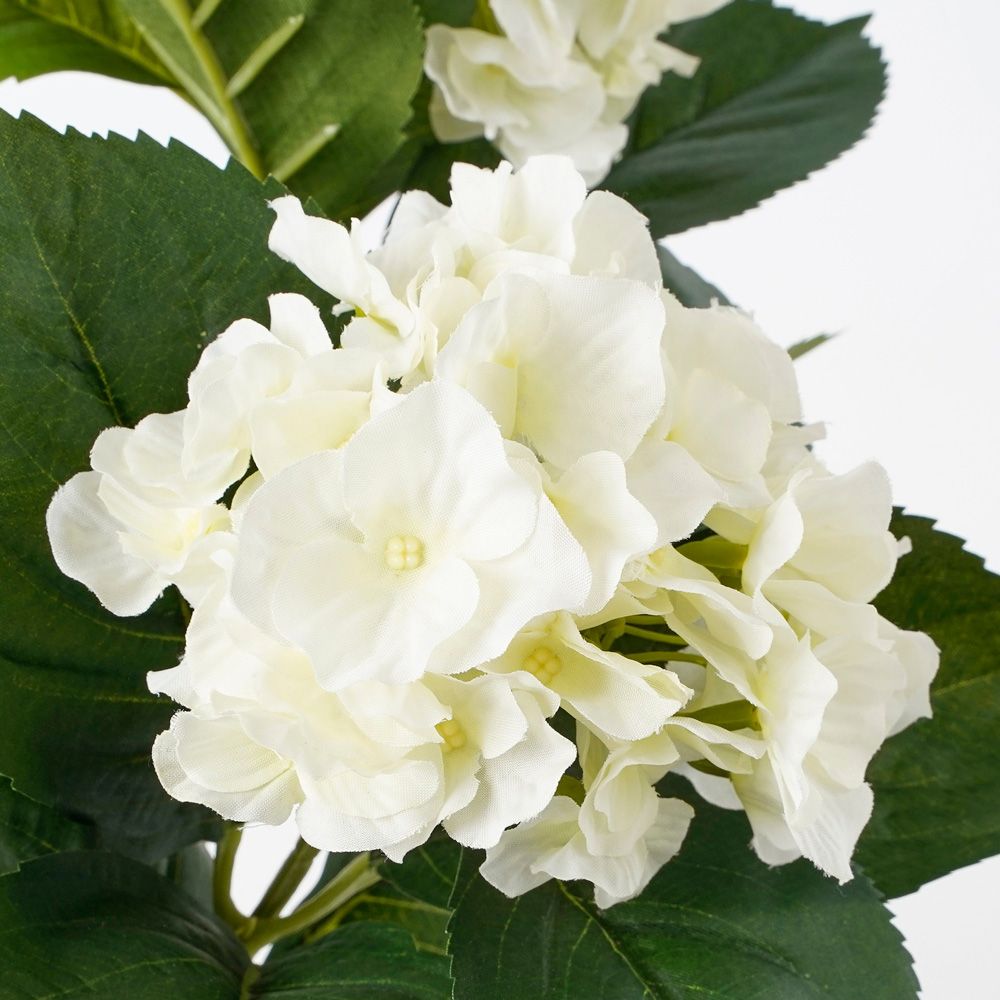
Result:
pixel 222 878
pixel 662 637
pixel 288 879
pixel 666 656
pixel 217 105
pixel 354 878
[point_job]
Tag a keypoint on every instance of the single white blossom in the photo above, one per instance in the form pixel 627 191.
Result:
pixel 416 546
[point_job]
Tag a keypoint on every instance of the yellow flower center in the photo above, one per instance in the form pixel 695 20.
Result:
pixel 404 552
pixel 452 734
pixel 544 664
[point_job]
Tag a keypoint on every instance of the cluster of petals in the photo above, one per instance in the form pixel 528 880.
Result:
pixel 530 538
pixel 537 77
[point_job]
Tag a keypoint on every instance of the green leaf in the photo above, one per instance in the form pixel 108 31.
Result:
pixel 29 829
pixel 776 97
pixel 457 13
pixel 191 869
pixel 360 961
pixel 45 36
pixel 120 261
pixel 428 873
pixel 315 92
pixel 415 894
pixel 937 784
pixel 427 925
pixel 423 163
pixel 102 927
pixel 690 287
pixel 714 923
pixel 99 926
pixel 804 347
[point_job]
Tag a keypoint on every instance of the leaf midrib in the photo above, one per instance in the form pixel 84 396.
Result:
pixel 132 55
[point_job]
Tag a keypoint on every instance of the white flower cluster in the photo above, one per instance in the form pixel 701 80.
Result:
pixel 539 76
pixel 528 482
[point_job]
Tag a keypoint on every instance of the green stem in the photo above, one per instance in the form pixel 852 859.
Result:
pixel 354 878
pixel 288 879
pixel 731 715
pixel 661 637
pixel 218 106
pixel 666 655
pixel 222 878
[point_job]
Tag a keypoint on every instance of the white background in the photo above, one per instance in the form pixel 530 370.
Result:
pixel 896 246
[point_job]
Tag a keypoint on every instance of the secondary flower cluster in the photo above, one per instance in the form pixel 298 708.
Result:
pixel 532 537
pixel 538 77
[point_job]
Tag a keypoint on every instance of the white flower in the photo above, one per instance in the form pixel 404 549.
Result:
pixel 137 523
pixel 554 77
pixel 830 529
pixel 411 293
pixel 566 364
pixel 374 767
pixel 728 387
pixel 593 500
pixel 274 395
pixel 566 841
pixel 213 760
pixel 498 744
pixel 417 546
pixel 610 692
pixel 490 761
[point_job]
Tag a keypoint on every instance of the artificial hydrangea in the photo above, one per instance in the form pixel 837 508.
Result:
pixel 537 77
pixel 532 537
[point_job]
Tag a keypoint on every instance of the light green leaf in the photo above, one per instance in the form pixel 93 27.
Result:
pixel 715 923
pixel 120 261
pixel 315 92
pixel 937 784
pixel 45 36
pixel 29 829
pixel 776 97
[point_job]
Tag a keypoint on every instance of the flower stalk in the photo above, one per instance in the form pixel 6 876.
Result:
pixel 357 876
pixel 288 879
pixel 222 878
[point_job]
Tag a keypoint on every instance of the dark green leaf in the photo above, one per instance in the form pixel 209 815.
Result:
pixel 426 924
pixel 690 287
pixel 804 347
pixel 359 961
pixel 315 92
pixel 45 36
pixel 776 97
pixel 100 927
pixel 937 784
pixel 191 869
pixel 715 923
pixel 97 926
pixel 428 873
pixel 416 893
pixel 29 829
pixel 120 261
pixel 457 13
